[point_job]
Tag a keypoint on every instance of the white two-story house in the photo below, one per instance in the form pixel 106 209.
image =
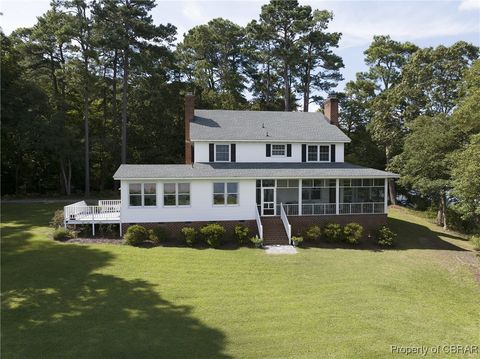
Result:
pixel 276 172
pixel 263 169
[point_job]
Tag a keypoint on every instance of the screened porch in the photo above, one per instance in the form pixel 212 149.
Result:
pixel 321 196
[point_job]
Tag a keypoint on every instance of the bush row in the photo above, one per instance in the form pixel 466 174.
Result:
pixel 212 234
pixel 351 233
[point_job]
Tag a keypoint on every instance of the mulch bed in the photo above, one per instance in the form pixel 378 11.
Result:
pixel 95 240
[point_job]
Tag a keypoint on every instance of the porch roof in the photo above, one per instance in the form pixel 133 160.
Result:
pixel 249 170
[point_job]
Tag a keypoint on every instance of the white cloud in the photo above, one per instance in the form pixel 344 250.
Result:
pixel 469 5
pixel 193 11
pixel 405 21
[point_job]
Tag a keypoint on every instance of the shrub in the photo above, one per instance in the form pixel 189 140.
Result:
pixel 108 230
pixel 297 240
pixel 57 219
pixel 213 234
pixel 333 232
pixel 352 233
pixel 257 241
pixel 475 242
pixel 136 235
pixel 313 233
pixel 62 234
pixel 241 233
pixel 190 234
pixel 385 237
pixel 157 234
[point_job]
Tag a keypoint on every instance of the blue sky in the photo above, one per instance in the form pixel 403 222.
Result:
pixel 425 23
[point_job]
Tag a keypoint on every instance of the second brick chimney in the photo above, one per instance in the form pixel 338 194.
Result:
pixel 330 110
pixel 189 113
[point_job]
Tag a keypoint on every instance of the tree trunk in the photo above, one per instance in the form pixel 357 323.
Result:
pixel 442 211
pixel 87 136
pixel 66 177
pixel 124 105
pixel 286 80
pixel 392 191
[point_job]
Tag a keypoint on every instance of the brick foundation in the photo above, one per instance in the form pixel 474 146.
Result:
pixel 370 222
pixel 174 228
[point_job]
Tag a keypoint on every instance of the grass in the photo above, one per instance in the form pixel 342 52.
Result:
pixel 106 301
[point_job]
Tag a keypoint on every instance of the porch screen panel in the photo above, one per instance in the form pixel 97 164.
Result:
pixel 287 194
pixel 365 195
pixel 318 196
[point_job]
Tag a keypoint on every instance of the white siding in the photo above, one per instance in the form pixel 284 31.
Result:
pixel 339 152
pixel 201 204
pixel 255 152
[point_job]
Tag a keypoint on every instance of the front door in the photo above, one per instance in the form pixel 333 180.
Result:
pixel 268 202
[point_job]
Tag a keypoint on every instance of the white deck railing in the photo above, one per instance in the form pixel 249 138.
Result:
pixel 109 202
pixel 80 211
pixel 259 223
pixel 286 225
pixel 312 209
pixel 362 208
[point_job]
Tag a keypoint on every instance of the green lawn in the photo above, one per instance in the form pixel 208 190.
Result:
pixel 108 301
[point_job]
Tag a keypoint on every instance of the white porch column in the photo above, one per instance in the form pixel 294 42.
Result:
pixel 385 210
pixel 300 197
pixel 337 196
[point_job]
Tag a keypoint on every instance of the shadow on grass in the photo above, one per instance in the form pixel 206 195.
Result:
pixel 55 305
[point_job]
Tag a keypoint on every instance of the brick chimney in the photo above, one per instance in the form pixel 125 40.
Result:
pixel 189 110
pixel 330 110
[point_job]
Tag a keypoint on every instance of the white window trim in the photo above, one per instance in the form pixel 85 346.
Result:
pixel 284 149
pixel 318 153
pixel 176 196
pixel 225 194
pixel 142 195
pixel 229 151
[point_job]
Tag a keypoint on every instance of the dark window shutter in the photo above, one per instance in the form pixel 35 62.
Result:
pixel 332 153
pixel 193 154
pixel 269 150
pixel 233 152
pixel 289 150
pixel 304 153
pixel 211 152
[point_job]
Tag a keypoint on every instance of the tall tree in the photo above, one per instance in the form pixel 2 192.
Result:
pixel 82 33
pixel 425 163
pixel 318 67
pixel 135 32
pixel 265 82
pixel 213 59
pixel 386 58
pixel 286 22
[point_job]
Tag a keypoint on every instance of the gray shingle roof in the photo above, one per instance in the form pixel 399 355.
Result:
pixel 224 125
pixel 248 170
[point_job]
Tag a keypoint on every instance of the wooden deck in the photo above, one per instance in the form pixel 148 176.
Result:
pixel 105 212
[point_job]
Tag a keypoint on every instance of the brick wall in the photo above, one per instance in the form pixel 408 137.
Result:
pixel 174 228
pixel 370 222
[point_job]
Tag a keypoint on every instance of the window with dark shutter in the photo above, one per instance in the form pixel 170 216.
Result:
pixel 211 152
pixel 304 153
pixel 332 153
pixel 268 150
pixel 233 152
pixel 289 150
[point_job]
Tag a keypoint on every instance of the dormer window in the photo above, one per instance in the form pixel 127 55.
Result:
pixel 278 150
pixel 318 153
pixel 222 153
